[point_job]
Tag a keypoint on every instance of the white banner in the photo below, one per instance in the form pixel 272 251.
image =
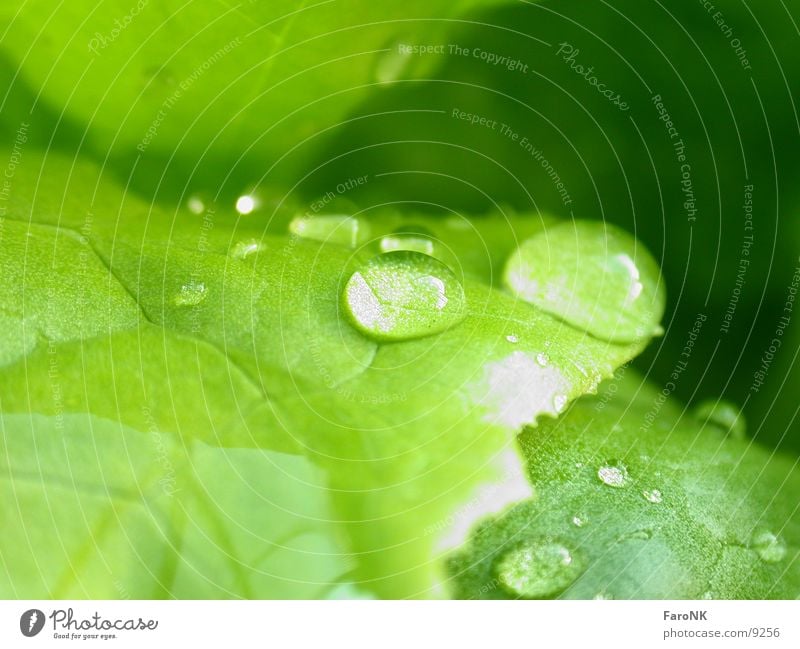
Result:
pixel 371 624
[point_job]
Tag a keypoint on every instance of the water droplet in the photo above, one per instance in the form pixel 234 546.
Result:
pixel 579 521
pixel 401 295
pixel 542 359
pixel 191 294
pixel 412 237
pixel 538 569
pixel 560 402
pixel 636 535
pixel 512 339
pixel 247 203
pixel 243 249
pixel 339 229
pixel 652 495
pixel 708 595
pixel 723 415
pixel 602 596
pixel 593 276
pixel 198 203
pixel 769 547
pixel 614 474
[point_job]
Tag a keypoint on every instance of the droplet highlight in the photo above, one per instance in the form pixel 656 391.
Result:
pixel 402 295
pixel 592 275
pixel 535 570
pixel 247 204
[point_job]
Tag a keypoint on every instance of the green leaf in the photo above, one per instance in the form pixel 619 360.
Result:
pixel 94 509
pixel 258 77
pixel 642 501
pixel 240 341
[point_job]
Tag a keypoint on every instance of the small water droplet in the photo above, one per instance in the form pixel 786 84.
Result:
pixel 708 595
pixel 409 237
pixel 538 569
pixel 191 294
pixel 543 359
pixel 602 596
pixel 404 294
pixel 579 521
pixel 198 203
pixel 652 495
pixel 243 249
pixel 614 474
pixel 560 402
pixel 339 229
pixel 593 276
pixel 769 546
pixel 723 415
pixel 636 535
pixel 512 339
pixel 247 203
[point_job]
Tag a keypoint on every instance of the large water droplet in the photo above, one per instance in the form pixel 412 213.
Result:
pixel 593 276
pixel 401 295
pixel 191 294
pixel 340 229
pixel 723 415
pixel 769 547
pixel 537 570
pixel 614 474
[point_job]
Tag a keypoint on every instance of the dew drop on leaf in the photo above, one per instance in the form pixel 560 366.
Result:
pixel 537 570
pixel 191 294
pixel 593 276
pixel 542 359
pixel 245 248
pixel 512 339
pixel 411 237
pixel 614 474
pixel 652 496
pixel 769 546
pixel 402 295
pixel 247 204
pixel 723 415
pixel 198 203
pixel 339 229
